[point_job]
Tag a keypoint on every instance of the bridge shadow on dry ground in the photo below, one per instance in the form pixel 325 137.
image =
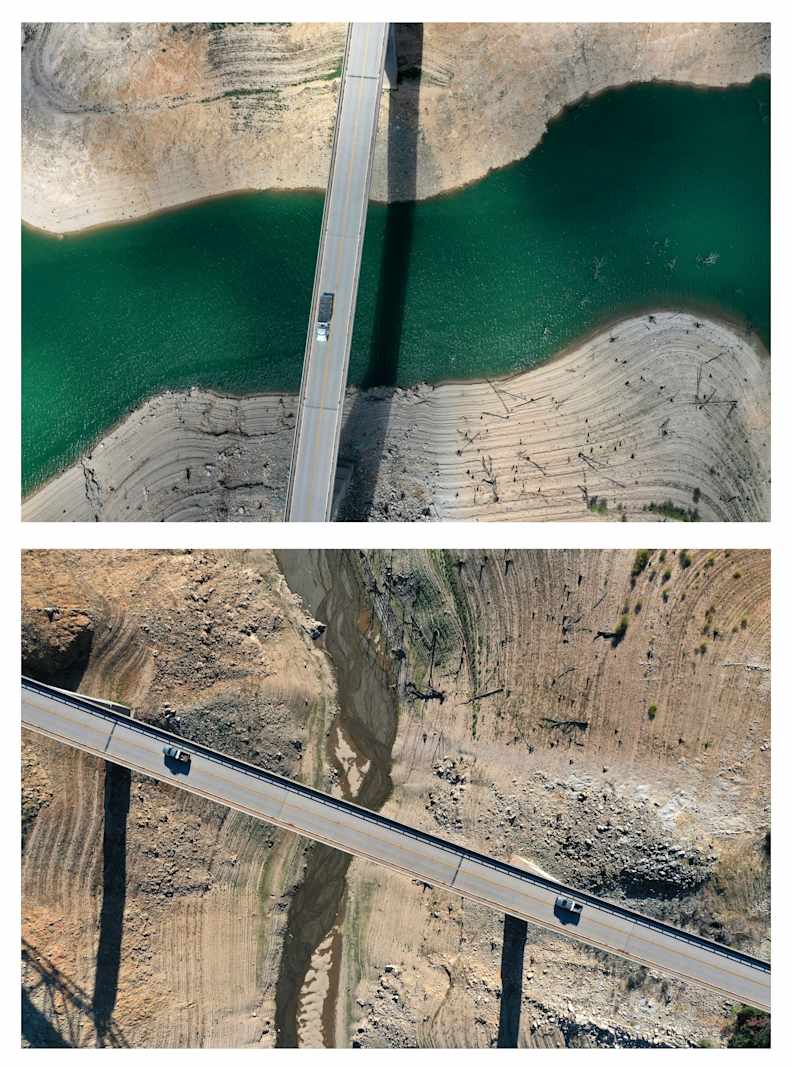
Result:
pixel 515 932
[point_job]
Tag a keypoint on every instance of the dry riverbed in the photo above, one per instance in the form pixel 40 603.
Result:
pixel 479 695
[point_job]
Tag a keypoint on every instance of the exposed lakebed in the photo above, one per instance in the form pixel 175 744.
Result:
pixel 648 195
pixel 359 756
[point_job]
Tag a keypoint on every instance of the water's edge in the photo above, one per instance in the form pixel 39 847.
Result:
pixel 626 203
pixel 718 316
pixel 320 190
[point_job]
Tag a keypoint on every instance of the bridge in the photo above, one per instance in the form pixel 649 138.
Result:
pixel 321 405
pixel 100 730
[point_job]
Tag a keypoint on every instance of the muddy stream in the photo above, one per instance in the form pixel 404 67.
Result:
pixel 333 587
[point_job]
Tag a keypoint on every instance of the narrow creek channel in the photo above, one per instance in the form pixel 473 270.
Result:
pixel 359 748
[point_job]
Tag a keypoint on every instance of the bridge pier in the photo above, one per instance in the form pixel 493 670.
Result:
pixel 391 58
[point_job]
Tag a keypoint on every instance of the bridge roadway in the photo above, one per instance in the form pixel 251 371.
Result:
pixel 108 734
pixel 321 407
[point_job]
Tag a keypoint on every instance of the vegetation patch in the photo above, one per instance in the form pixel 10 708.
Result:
pixel 640 563
pixel 668 509
pixel 620 631
pixel 751 1028
pixel 333 75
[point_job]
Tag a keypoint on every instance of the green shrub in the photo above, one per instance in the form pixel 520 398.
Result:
pixel 751 1029
pixel 668 509
pixel 640 563
pixel 652 712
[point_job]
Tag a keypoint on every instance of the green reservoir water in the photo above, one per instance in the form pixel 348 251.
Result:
pixel 649 195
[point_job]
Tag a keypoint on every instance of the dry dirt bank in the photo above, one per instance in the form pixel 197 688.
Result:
pixel 604 714
pixel 122 120
pixel 151 918
pixel 663 407
pixel 638 767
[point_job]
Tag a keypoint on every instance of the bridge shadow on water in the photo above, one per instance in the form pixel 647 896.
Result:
pixel 515 931
pixel 363 436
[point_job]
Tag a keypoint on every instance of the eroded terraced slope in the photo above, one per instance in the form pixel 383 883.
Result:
pixel 603 715
pixel 152 918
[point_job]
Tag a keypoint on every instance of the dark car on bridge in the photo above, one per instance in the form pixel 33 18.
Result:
pixel 179 757
pixel 568 910
pixel 326 301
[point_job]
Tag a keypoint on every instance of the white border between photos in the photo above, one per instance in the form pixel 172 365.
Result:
pixel 776 535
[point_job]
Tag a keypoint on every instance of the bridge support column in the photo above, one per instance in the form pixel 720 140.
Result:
pixel 391 58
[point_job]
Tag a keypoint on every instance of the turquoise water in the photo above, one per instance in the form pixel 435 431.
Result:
pixel 653 194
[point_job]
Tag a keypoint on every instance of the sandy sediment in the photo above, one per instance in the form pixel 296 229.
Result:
pixel 660 407
pixel 122 120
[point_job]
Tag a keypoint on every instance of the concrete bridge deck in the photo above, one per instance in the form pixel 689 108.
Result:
pixel 108 734
pixel 318 429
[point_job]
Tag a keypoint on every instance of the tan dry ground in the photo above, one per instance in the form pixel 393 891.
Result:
pixel 635 807
pixel 560 763
pixel 122 120
pixel 659 407
pixel 225 645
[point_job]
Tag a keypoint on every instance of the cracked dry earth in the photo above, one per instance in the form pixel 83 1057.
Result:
pixel 600 715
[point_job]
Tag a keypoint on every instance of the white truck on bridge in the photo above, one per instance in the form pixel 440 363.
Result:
pixel 324 316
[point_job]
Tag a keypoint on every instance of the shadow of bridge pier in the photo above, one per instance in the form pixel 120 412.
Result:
pixel 515 931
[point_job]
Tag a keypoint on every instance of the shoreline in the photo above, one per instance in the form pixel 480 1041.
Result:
pixel 319 190
pixel 733 322
pixel 241 446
